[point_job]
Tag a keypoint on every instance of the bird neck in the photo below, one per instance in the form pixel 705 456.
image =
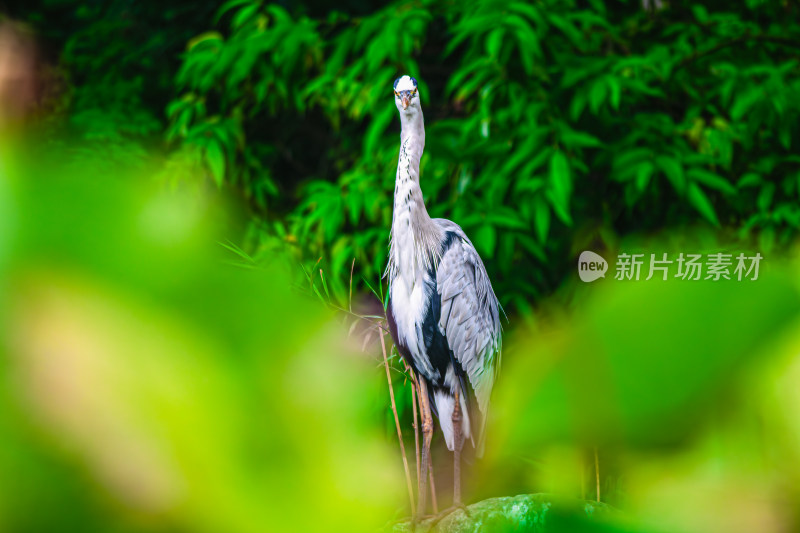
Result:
pixel 407 193
pixel 414 233
pixel 413 125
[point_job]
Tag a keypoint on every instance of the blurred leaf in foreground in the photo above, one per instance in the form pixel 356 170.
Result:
pixel 149 386
pixel 642 363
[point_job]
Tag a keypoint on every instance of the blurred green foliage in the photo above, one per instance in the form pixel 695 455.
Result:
pixel 677 364
pixel 148 386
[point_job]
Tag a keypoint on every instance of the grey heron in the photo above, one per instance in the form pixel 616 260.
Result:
pixel 443 314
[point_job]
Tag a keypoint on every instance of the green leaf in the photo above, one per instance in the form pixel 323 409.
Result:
pixel 525 54
pixel 530 245
pixel 560 186
pixel 209 38
pixel 569 29
pixel 643 173
pixel 577 105
pixel 616 91
pixel 711 180
pixel 227 6
pixel 700 201
pixel 673 170
pixel 216 161
pixel 508 219
pixel 536 161
pixel 785 134
pixel 245 14
pixel 766 239
pixel 541 221
pixel 580 138
pixel 700 13
pixel 494 41
pixel 529 184
pixel 522 151
pixel 751 179
pixel 626 163
pixel 486 239
pixel 377 127
pixel 797 184
pixel 598 95
pixel 744 102
pixel 765 196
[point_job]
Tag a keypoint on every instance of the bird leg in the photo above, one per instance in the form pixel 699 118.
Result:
pixel 458 442
pixel 427 436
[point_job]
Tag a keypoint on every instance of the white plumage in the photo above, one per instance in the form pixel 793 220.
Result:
pixel 405 83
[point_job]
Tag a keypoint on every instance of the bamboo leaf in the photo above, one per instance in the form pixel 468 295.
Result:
pixel 541 219
pixel 673 170
pixel 711 180
pixel 560 186
pixel 700 201
pixel 215 158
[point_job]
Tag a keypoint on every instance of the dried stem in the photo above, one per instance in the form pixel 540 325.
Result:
pixel 597 472
pixel 350 301
pixel 583 475
pixel 397 422
pixel 433 487
pixel 416 417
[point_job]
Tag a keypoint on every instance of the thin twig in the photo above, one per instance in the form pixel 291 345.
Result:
pixel 597 472
pixel 583 475
pixel 397 423
pixel 311 278
pixel 433 486
pixel 416 421
pixel 352 266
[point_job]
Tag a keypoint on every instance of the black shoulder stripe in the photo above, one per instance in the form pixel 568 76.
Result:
pixel 450 238
pixel 435 343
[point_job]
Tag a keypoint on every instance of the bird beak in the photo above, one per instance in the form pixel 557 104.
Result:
pixel 405 102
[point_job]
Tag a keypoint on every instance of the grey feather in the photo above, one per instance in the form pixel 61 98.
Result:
pixel 472 326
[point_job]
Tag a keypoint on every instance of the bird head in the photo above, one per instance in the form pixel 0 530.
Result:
pixel 406 95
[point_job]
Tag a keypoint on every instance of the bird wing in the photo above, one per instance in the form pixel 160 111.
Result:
pixel 469 317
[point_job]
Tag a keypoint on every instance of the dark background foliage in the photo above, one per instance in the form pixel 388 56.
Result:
pixel 552 126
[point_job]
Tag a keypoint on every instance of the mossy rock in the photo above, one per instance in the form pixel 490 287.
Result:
pixel 545 513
